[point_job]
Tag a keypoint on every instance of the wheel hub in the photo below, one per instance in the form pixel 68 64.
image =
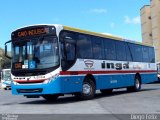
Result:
pixel 86 89
pixel 137 84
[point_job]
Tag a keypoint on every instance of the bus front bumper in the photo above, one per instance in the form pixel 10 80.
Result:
pixel 54 87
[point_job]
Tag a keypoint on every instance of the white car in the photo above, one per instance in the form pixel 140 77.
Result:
pixel 6 85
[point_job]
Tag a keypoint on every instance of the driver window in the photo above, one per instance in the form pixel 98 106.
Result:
pixel 70 50
pixel 67 48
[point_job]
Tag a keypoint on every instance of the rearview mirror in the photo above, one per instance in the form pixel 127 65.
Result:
pixel 6 52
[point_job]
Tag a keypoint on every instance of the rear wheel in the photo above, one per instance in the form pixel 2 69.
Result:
pixel 137 85
pixel 88 90
pixel 50 97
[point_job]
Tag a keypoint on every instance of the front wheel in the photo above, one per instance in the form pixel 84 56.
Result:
pixel 137 85
pixel 88 90
pixel 50 98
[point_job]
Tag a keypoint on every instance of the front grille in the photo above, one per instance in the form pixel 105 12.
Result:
pixel 31 82
pixel 38 90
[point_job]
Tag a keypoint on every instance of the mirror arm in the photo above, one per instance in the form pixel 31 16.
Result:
pixel 6 49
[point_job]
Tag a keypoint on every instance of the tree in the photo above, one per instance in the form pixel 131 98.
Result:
pixel 4 61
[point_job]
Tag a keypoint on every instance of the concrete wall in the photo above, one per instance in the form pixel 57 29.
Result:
pixel 155 15
pixel 146 25
pixel 150 24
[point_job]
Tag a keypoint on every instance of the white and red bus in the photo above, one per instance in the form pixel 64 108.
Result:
pixel 52 60
pixel 6 79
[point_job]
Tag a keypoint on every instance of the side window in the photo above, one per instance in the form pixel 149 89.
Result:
pixel 84 47
pixel 97 47
pixel 151 55
pixel 67 46
pixel 109 49
pixel 136 51
pixel 145 51
pixel 121 51
pixel 68 49
pixel 128 52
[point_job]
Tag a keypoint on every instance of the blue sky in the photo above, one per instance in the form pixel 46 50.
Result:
pixel 117 17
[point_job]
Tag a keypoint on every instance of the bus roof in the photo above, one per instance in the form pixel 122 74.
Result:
pixel 91 33
pixel 103 35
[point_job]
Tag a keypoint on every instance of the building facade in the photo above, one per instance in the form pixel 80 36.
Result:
pixel 150 24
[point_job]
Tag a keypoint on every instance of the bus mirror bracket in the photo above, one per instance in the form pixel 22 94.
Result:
pixel 6 50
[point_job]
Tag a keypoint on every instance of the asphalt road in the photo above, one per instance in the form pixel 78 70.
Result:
pixel 147 101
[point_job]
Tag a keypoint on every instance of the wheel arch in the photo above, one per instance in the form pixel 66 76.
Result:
pixel 91 77
pixel 139 75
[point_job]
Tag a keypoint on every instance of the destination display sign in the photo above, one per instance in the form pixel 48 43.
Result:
pixel 33 31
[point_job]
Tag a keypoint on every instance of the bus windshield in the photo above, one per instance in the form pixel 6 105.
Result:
pixel 37 53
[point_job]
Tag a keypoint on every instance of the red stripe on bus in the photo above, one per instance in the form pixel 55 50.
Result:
pixel 105 72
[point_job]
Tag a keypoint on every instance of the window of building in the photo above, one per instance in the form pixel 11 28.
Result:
pixel 149 17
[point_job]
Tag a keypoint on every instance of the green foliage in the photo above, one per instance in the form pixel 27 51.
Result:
pixel 4 61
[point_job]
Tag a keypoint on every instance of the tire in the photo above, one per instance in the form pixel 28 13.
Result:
pixel 50 98
pixel 137 85
pixel 88 90
pixel 5 88
pixel 106 91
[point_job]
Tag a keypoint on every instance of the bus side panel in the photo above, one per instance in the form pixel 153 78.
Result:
pixel 114 81
pixel 148 78
pixel 72 84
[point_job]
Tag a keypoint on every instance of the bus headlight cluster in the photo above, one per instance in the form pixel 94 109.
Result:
pixel 15 83
pixel 51 79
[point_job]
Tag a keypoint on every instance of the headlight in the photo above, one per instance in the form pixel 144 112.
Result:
pixel 46 81
pixel 15 83
pixel 51 79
